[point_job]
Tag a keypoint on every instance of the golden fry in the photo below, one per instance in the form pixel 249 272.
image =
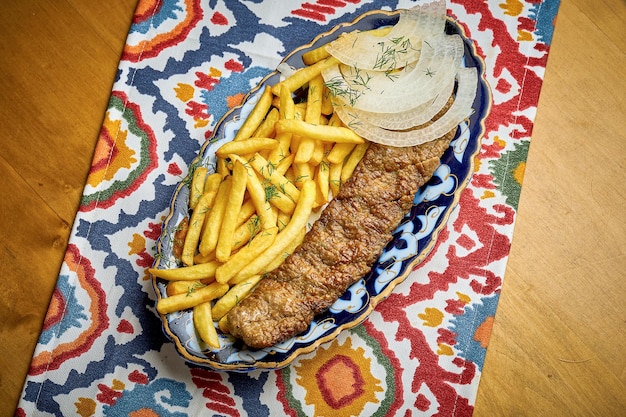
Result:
pixel 187 273
pixel 212 182
pixel 246 146
pixel 236 293
pixel 246 211
pixel 315 55
pixel 334 177
pixel 196 224
pixel 280 258
pixel 327 103
pixel 180 234
pixel 258 197
pixel 322 178
pixel 312 115
pixel 246 254
pixel 288 234
pixel 321 149
pixel 314 100
pixel 285 164
pixel 353 160
pixel 266 195
pixel 337 134
pixel 231 212
pixel 339 152
pixel 266 129
pixel 305 151
pixel 203 322
pixel 269 172
pixel 191 299
pixel 335 120
pixel 182 287
pixel 287 111
pixel 304 75
pixel 246 231
pixel 283 220
pixel 197 185
pixel 202 259
pixel 256 116
pixel 303 173
pixel 287 105
pixel 223 325
pixel 222 167
pixel 210 235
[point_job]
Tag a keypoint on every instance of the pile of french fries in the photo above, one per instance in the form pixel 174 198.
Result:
pixel 285 162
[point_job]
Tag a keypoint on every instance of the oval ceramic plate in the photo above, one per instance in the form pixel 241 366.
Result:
pixel 412 240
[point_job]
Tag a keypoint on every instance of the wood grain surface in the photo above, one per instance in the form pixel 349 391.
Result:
pixel 560 329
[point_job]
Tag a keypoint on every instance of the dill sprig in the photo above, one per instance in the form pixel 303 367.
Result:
pixel 193 287
pixel 271 191
pixel 389 55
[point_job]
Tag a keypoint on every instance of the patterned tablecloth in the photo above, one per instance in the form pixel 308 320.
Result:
pixel 186 62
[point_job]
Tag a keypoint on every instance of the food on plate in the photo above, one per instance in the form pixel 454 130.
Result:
pixel 341 246
pixel 348 138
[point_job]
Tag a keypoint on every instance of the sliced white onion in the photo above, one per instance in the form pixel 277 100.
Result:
pixel 412 117
pixel 414 85
pixel 467 79
pixel 394 50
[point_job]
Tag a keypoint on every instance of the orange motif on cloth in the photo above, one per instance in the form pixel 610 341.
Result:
pixel 338 380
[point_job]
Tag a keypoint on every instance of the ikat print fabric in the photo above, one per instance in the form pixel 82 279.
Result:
pixel 102 351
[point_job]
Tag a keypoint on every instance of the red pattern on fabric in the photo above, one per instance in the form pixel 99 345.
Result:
pixel 107 395
pixel 147 11
pixel 356 384
pixel 138 377
pixel 174 169
pixel 455 306
pixel 390 354
pixel 197 110
pixel 145 259
pixel 438 380
pixel 219 395
pixel 154 230
pixel 321 8
pixel 281 396
pixel 153 47
pixel 219 19
pixel 132 114
pixel 124 326
pixel 447 337
pixel 332 3
pixel 47 361
pixel 516 63
pixel 233 66
pixel 309 14
pixel 494 246
pixel 205 81
pixel 55 310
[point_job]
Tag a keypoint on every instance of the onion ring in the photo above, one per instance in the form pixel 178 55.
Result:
pixel 461 107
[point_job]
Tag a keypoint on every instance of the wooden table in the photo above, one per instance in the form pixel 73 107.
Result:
pixel 559 334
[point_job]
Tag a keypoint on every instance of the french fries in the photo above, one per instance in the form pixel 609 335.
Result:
pixel 192 298
pixel 187 273
pixel 203 322
pixel 251 210
pixel 236 293
pixel 288 234
pixel 231 212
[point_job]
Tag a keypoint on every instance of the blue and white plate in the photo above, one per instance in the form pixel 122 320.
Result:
pixel 412 241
